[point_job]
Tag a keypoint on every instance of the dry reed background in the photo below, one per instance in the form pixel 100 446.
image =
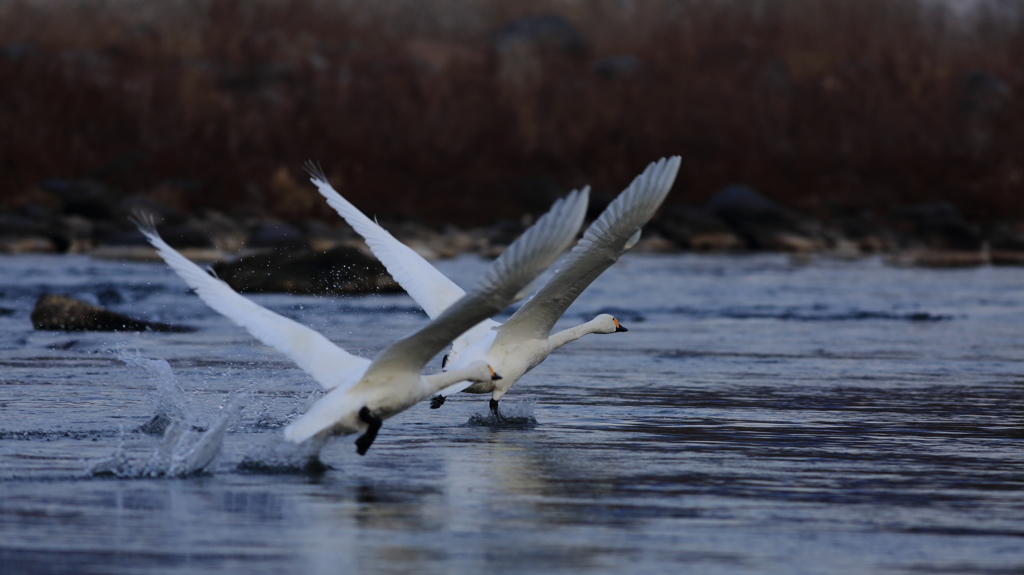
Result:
pixel 424 109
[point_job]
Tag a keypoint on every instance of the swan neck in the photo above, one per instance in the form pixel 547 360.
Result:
pixel 439 381
pixel 572 334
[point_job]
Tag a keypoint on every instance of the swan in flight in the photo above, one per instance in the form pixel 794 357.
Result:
pixel 525 340
pixel 362 393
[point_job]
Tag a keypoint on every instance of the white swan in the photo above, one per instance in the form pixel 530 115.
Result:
pixel 363 393
pixel 525 340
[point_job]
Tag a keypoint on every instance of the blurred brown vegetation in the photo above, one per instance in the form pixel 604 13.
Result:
pixel 431 109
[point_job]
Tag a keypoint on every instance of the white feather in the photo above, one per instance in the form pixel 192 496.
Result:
pixel 328 364
pixel 512 350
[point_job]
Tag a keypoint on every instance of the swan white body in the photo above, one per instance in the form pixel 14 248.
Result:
pixel 525 340
pixel 362 393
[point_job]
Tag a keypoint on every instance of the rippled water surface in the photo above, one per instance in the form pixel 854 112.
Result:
pixel 760 416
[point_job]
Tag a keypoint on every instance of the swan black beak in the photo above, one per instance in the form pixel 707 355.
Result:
pixel 618 326
pixel 494 376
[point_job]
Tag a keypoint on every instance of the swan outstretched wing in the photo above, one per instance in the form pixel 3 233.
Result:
pixel 502 284
pixel 429 287
pixel 607 238
pixel 330 365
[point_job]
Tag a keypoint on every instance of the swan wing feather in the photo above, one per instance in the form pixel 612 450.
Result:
pixel 524 260
pixel 607 238
pixel 327 363
pixel 431 289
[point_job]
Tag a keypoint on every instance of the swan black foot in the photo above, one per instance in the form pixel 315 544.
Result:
pixel 437 401
pixel 365 440
pixel 494 409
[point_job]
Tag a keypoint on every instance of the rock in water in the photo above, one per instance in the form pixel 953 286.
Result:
pixel 339 271
pixel 61 313
pixel 937 225
pixel 762 223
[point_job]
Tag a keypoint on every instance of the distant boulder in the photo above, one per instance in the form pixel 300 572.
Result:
pixel 27 245
pixel 341 271
pixel 1006 242
pixel 1007 236
pixel 696 229
pixel 277 235
pixel 936 225
pixel 225 233
pixel 740 202
pixel 61 313
pixel 87 198
pixel 762 223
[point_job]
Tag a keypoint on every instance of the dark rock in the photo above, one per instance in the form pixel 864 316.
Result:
pixel 225 233
pixel 27 245
pixel 323 237
pixel 762 223
pixel 60 313
pixel 86 198
pixel 126 238
pixel 157 425
pixel 544 31
pixel 503 232
pixel 185 236
pixel 72 233
pixel 39 212
pixel 1007 236
pixel 15 225
pixel 1006 242
pixel 618 66
pixel 177 236
pixel 340 271
pixel 741 202
pixel 697 229
pixel 937 225
pixel 277 235
pixel 47 229
pixel 861 230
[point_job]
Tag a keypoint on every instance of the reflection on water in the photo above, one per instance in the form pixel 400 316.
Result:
pixel 758 417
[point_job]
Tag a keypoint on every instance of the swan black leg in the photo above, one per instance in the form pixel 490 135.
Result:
pixel 494 410
pixel 437 401
pixel 365 440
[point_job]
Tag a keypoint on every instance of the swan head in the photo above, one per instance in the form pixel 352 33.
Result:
pixel 606 323
pixel 481 371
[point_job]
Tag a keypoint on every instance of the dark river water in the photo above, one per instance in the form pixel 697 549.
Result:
pixel 761 415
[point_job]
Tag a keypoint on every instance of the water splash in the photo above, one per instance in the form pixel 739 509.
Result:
pixel 185 448
pixel 170 403
pixel 117 464
pixel 517 415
